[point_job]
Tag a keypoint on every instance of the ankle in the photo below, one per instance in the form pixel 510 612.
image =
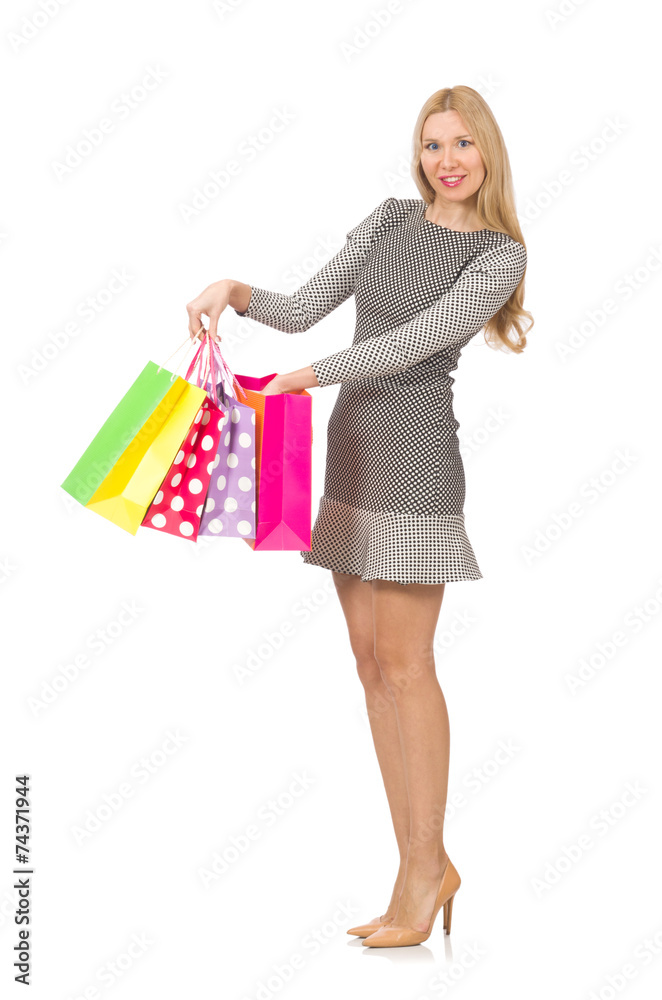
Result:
pixel 430 861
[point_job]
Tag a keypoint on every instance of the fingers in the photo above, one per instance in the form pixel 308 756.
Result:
pixel 199 332
pixel 195 324
pixel 213 326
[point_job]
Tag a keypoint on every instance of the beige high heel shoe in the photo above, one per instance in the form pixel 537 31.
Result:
pixel 362 930
pixel 394 936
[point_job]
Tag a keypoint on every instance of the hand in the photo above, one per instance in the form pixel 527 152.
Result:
pixel 211 302
pixel 278 384
pixel 302 378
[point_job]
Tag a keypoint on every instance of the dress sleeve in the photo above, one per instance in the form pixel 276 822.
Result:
pixel 327 288
pixel 483 287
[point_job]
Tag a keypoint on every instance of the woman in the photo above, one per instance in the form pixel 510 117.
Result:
pixel 427 275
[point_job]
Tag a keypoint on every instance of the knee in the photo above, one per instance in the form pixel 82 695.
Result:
pixel 400 670
pixel 369 672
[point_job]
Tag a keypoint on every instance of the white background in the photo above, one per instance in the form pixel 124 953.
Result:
pixel 575 90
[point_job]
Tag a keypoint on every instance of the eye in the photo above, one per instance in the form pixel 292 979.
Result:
pixel 436 145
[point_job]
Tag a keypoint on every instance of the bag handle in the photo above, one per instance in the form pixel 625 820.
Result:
pixel 227 372
pixel 187 343
pixel 215 364
pixel 211 371
pixel 208 373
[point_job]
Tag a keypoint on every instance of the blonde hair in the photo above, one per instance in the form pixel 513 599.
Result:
pixel 496 198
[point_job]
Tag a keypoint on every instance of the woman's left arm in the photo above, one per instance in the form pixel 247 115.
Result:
pixel 480 291
pixel 302 378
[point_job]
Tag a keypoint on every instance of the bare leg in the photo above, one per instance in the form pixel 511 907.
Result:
pixel 404 621
pixel 355 596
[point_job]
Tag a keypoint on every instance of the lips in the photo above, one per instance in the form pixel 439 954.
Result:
pixel 452 180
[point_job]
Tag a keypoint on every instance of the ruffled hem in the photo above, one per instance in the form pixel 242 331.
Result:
pixel 386 545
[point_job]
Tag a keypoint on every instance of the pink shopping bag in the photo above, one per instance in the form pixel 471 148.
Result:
pixel 283 465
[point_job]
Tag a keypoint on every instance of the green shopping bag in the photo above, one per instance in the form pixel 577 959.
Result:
pixel 119 430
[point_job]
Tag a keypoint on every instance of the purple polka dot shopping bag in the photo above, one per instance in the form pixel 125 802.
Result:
pixel 229 510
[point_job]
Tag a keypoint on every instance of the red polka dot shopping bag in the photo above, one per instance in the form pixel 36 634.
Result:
pixel 178 505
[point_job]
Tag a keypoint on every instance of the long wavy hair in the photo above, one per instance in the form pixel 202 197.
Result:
pixel 496 198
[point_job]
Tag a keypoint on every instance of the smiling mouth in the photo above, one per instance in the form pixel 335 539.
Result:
pixel 451 180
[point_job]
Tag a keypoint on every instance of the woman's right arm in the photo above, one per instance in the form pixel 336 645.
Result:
pixel 316 298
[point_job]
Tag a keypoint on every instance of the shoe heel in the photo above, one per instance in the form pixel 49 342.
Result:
pixel 448 913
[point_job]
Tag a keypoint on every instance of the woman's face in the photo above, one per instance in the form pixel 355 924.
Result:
pixel 449 152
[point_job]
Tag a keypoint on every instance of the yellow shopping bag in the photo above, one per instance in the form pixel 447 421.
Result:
pixel 132 483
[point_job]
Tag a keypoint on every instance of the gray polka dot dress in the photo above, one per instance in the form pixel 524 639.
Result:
pixel 394 486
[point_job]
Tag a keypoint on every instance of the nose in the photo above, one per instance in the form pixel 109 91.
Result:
pixel 446 164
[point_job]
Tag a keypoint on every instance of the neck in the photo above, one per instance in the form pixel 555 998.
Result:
pixel 463 221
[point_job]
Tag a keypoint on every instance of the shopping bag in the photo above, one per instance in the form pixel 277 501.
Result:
pixel 130 486
pixel 122 468
pixel 178 505
pixel 119 430
pixel 230 505
pixel 283 465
